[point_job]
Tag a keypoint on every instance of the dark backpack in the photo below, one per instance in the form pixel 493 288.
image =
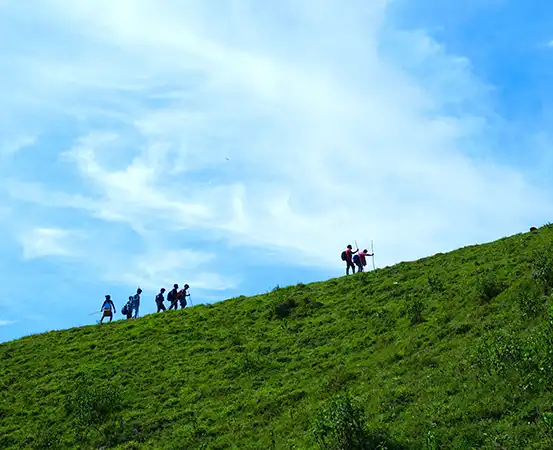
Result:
pixel 344 255
pixel 125 309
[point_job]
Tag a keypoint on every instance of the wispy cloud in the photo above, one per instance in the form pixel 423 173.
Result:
pixel 45 242
pixel 4 323
pixel 12 146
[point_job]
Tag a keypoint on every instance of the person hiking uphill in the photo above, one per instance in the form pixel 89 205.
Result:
pixel 136 302
pixel 360 259
pixel 172 297
pixel 347 256
pixel 108 309
pixel 182 294
pixel 127 308
pixel 159 300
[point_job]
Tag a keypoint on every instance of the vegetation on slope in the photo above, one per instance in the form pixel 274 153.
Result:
pixel 453 351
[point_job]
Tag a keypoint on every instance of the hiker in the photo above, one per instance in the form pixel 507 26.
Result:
pixel 159 300
pixel 360 259
pixel 172 297
pixel 136 302
pixel 347 256
pixel 127 309
pixel 107 308
pixel 182 294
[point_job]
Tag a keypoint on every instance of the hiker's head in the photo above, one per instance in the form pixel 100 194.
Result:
pixel 349 246
pixel 365 251
pixel 108 296
pixel 176 286
pixel 139 291
pixel 162 290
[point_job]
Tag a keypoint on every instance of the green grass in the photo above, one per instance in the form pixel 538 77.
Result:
pixel 452 351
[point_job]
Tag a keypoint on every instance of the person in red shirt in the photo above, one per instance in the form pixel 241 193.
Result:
pixel 349 259
pixel 361 259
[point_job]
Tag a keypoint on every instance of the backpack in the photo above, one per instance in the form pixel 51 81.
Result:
pixel 344 255
pixel 124 310
pixel 356 257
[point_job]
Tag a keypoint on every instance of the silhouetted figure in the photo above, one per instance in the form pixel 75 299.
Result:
pixel 172 297
pixel 108 309
pixel 159 300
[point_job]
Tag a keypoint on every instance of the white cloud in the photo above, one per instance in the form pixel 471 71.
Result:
pixel 45 242
pixel 12 146
pixel 328 137
pixel 158 268
pixel 5 323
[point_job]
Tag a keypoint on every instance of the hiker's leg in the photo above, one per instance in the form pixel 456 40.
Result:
pixel 350 265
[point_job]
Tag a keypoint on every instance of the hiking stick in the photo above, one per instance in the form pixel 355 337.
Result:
pixel 95 312
pixel 372 251
pixel 190 300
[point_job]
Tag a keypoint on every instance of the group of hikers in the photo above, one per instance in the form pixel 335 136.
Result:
pixel 355 258
pixel 175 298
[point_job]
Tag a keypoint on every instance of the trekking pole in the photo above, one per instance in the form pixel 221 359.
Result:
pixel 190 300
pixel 95 312
pixel 372 251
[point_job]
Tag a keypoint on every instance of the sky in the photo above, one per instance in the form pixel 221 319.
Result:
pixel 238 145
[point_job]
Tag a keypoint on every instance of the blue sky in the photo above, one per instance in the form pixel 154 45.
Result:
pixel 235 147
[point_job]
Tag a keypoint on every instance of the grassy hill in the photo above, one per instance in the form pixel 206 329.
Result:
pixel 452 351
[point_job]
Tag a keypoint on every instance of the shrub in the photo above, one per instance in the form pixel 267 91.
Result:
pixel 435 284
pixel 528 358
pixel 339 425
pixel 284 309
pixel 542 269
pixel 488 287
pixel 531 302
pixel 415 309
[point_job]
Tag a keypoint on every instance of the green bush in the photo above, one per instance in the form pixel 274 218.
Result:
pixel 415 309
pixel 488 287
pixel 542 268
pixel 531 303
pixel 340 425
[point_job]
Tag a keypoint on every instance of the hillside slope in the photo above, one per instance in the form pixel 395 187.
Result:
pixel 452 351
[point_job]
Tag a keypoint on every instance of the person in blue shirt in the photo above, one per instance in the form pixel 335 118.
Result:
pixel 136 302
pixel 108 309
